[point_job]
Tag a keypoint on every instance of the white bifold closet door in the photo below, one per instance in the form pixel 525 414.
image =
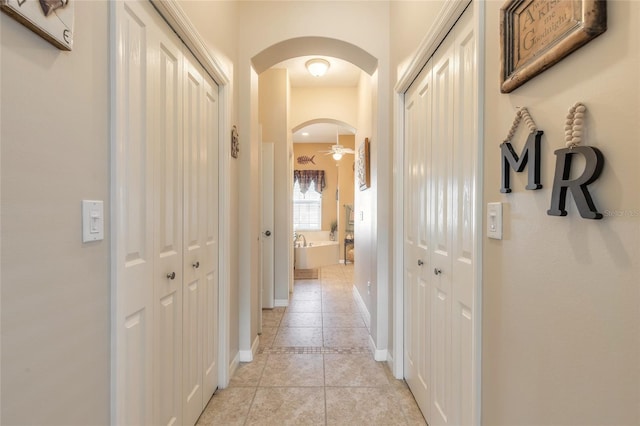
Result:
pixel 416 240
pixel 165 224
pixel 200 288
pixel 439 241
pixel 165 131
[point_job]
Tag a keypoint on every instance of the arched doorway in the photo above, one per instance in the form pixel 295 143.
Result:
pixel 369 124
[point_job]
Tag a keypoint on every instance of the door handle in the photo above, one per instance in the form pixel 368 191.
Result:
pixel 420 262
pixel 267 233
pixel 437 271
pixel 196 265
pixel 171 276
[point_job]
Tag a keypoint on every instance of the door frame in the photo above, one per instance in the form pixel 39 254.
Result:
pixel 177 21
pixel 444 22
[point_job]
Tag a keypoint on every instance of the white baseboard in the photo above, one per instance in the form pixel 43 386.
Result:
pixel 247 356
pixel 279 303
pixel 363 307
pixel 378 354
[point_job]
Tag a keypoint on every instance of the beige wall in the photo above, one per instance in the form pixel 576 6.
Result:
pixel 365 209
pixel 561 294
pixel 273 112
pixel 561 336
pixel 55 289
pixel 312 103
pixel 410 21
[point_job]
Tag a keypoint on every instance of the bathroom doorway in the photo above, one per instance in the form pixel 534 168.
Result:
pixel 326 220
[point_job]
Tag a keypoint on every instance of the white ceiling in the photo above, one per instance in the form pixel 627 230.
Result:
pixel 340 74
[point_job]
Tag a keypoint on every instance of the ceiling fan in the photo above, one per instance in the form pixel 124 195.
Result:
pixel 338 151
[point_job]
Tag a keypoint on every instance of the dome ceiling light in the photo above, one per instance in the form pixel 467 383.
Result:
pixel 317 66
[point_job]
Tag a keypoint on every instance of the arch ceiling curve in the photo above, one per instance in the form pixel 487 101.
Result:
pixel 322 46
pixel 321 130
pixel 338 123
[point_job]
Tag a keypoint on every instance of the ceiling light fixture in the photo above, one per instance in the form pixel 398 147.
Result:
pixel 317 67
pixel 337 156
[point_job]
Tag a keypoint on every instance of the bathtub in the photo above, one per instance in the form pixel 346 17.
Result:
pixel 317 253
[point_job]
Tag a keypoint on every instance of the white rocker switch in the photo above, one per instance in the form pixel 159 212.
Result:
pixel 92 220
pixel 494 220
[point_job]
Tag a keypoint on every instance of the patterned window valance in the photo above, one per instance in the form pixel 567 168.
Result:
pixel 305 177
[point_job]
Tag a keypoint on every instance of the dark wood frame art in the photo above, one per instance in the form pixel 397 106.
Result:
pixel 537 34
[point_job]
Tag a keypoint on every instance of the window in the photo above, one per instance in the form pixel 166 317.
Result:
pixel 307 208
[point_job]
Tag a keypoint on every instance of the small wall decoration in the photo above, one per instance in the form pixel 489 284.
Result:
pixel 305 159
pixel 531 151
pixel 51 19
pixel 363 170
pixel 562 182
pixel 235 143
pixel 537 34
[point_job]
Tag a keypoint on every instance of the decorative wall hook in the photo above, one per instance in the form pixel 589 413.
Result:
pixel 574 125
pixel 235 143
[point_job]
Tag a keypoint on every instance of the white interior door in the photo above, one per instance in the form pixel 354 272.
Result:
pixel 268 290
pixel 210 260
pixel 194 244
pixel 132 230
pixel 167 278
pixel 416 239
pixel 463 224
pixel 440 233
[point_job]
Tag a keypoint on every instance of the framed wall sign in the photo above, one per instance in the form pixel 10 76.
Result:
pixel 51 19
pixel 363 172
pixel 537 34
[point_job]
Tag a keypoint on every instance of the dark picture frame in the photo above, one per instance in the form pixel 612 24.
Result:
pixel 537 34
pixel 363 172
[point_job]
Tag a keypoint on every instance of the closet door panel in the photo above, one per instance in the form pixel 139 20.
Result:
pixel 210 219
pixel 463 229
pixel 193 285
pixel 416 237
pixel 167 140
pixel 440 232
pixel 132 256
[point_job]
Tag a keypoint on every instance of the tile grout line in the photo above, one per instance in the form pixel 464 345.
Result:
pixel 324 368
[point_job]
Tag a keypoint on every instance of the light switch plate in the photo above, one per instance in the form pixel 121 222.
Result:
pixel 92 220
pixel 494 220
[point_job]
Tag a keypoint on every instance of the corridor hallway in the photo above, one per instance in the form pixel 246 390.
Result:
pixel 314 366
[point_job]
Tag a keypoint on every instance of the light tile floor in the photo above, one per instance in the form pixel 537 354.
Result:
pixel 314 367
